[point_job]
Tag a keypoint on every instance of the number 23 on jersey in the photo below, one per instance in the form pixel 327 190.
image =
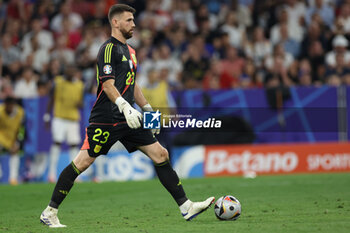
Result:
pixel 130 78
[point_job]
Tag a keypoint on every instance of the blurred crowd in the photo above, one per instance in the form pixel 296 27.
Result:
pixel 207 44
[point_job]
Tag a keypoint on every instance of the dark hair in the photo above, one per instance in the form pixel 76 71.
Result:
pixel 119 9
pixel 10 100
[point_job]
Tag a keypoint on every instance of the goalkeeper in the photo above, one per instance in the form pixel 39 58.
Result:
pixel 113 118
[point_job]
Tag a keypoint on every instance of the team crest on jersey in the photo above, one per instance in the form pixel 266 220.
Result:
pixel 107 69
pixel 130 64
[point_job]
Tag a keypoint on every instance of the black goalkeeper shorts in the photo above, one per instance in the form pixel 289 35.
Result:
pixel 100 138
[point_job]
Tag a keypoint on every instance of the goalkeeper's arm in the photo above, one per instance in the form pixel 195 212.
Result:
pixel 132 116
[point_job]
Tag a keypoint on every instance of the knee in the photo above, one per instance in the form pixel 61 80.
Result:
pixel 163 155
pixel 82 164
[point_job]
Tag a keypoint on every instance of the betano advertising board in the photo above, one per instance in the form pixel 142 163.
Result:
pixel 262 159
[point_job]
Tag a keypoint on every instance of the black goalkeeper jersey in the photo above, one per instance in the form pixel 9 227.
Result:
pixel 117 61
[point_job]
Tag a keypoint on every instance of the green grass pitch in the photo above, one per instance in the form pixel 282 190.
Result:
pixel 290 203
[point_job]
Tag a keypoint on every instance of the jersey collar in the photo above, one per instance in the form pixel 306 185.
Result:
pixel 116 41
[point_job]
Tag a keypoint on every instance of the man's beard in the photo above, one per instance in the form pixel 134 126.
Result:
pixel 126 34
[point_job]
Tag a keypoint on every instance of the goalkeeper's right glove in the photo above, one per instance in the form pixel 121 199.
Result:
pixel 132 116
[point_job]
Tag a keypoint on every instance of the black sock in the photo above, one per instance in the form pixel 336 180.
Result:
pixel 170 181
pixel 64 184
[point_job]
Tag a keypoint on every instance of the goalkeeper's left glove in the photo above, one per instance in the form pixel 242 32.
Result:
pixel 132 116
pixel 148 108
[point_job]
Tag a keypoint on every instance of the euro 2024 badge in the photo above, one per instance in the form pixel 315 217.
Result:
pixel 151 120
pixel 107 69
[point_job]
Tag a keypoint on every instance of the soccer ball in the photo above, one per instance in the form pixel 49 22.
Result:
pixel 227 208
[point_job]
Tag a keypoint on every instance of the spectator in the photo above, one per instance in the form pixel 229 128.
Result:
pixel 11 66
pixel 218 45
pixel 343 18
pixel 86 56
pixel 249 76
pixel 277 75
pixel 346 79
pixel 235 31
pixel 43 10
pixel 282 16
pixel 243 13
pixel 166 61
pixel 62 52
pixel 65 100
pixel 73 37
pixel 325 11
pixel 145 63
pixel 18 9
pixel 195 65
pixel 75 19
pixel 55 68
pixel 232 68
pixel 314 34
pixel 177 42
pixel 333 80
pixel 259 47
pixel 340 69
pixel 305 80
pixel 211 78
pixel 82 7
pixel 205 29
pixel 340 44
pixel 206 49
pixel 289 44
pixel 295 30
pixel 90 42
pixel 98 18
pixel 338 27
pixel 185 14
pixel 15 29
pixel 44 36
pixel 278 52
pixel 26 86
pixel 153 17
pixel 165 5
pixel 11 120
pixel 188 81
pixel 36 57
pixel 305 73
pixel 316 58
pixel 147 40
pixel 5 87
pixel 8 51
pixel 203 15
pixel 43 88
pixel 296 10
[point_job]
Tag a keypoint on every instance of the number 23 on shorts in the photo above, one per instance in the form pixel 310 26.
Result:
pixel 100 137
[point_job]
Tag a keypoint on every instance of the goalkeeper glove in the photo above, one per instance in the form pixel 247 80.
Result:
pixel 148 108
pixel 132 116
